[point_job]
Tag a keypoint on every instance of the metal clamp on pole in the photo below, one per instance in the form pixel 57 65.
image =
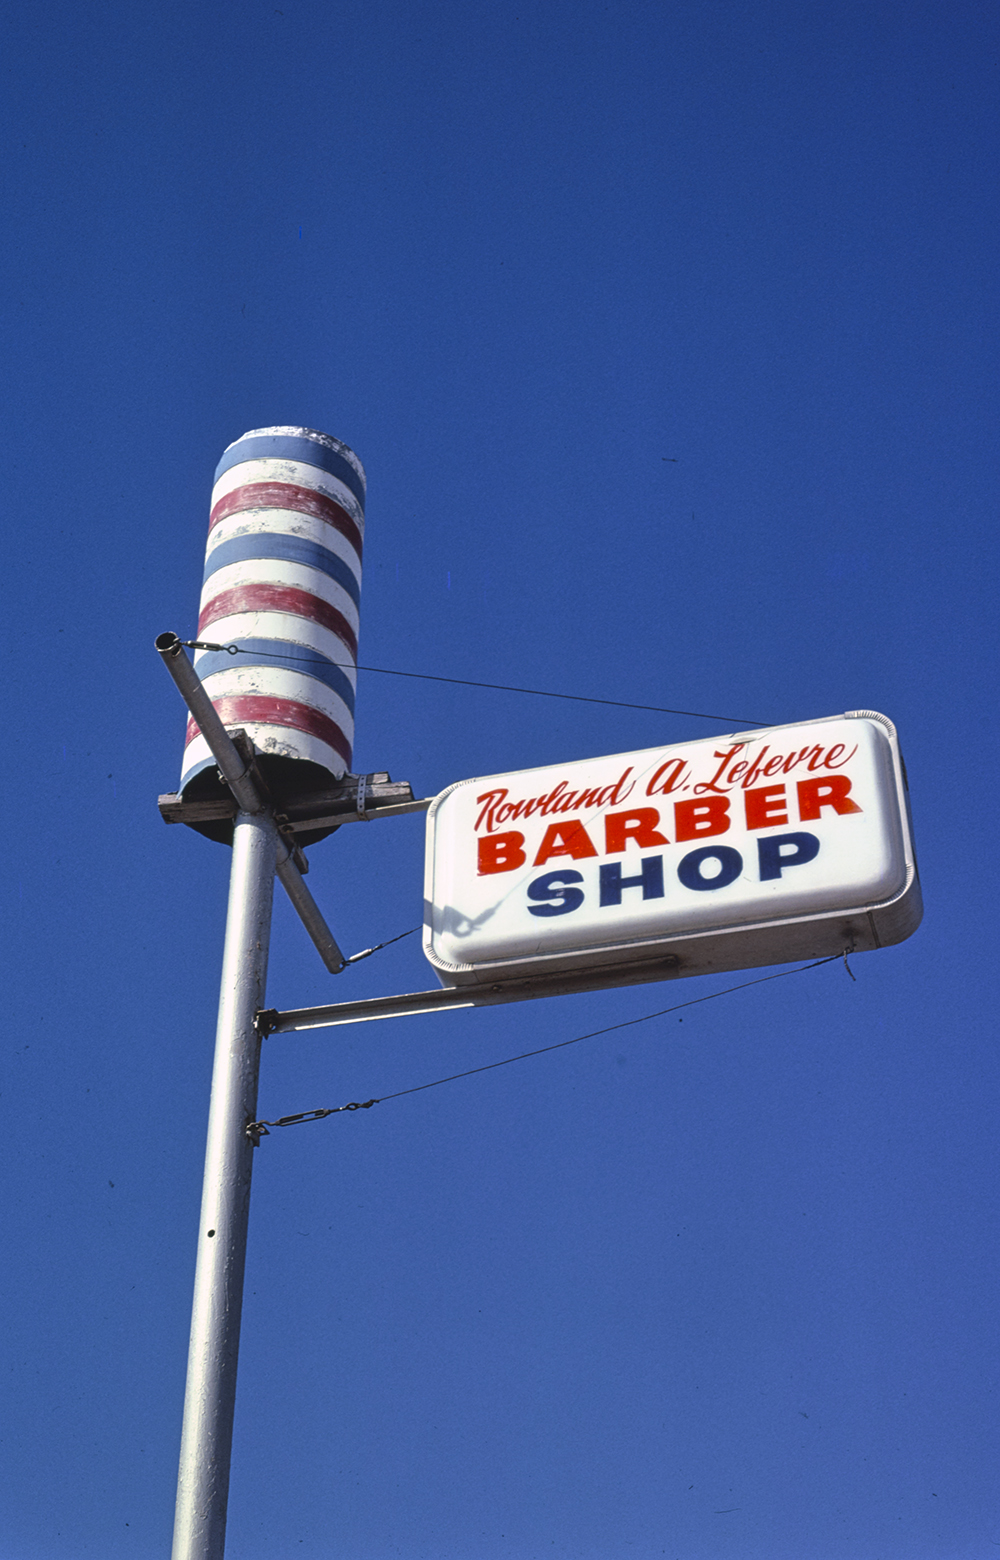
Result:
pixel 236 773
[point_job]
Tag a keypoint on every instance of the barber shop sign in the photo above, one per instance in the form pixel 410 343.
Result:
pixel 719 854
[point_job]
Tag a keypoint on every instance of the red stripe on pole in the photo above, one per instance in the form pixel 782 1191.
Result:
pixel 287 495
pixel 265 710
pixel 279 598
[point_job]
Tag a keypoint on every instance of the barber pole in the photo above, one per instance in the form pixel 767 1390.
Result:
pixel 283 583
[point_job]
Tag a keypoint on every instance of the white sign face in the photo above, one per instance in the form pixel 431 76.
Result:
pixel 534 869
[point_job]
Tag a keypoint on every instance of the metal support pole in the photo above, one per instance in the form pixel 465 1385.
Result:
pixel 207 1434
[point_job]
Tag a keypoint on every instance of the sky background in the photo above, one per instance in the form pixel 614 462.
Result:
pixel 666 335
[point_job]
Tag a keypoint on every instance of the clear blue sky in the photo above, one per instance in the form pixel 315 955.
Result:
pixel 666 335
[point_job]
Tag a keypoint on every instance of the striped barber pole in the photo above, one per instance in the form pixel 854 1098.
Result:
pixel 283 582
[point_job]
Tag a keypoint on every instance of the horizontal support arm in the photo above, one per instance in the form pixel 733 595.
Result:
pixel 272 1022
pixel 408 1003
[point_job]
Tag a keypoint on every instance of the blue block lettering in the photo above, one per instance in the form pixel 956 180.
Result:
pixel 650 880
pixel 774 855
pixel 551 887
pixel 730 862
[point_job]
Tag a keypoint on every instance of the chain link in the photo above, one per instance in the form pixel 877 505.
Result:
pixel 255 1130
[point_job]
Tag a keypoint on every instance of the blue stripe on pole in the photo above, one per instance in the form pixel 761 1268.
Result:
pixel 286 654
pixel 285 549
pixel 283 446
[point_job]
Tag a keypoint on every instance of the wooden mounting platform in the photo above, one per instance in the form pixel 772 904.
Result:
pixel 379 797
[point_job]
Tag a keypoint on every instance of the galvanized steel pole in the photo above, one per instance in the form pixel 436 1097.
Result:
pixel 207 1435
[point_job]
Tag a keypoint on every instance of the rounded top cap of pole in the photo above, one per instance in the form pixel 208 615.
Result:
pixel 302 444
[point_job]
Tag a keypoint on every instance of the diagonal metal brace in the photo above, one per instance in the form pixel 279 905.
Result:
pixel 238 775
